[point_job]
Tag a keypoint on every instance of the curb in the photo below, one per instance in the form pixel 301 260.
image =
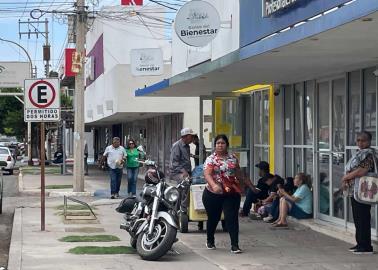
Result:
pixel 34 192
pixel 70 194
pixel 20 182
pixel 15 250
pixel 336 232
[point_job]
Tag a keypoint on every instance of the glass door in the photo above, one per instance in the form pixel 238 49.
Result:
pixel 206 133
pixel 260 131
pixel 331 147
pixel 227 113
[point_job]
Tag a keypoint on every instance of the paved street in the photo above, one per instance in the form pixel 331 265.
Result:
pixel 11 200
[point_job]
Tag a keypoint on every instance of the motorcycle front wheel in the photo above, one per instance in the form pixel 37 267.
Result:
pixel 152 247
pixel 133 242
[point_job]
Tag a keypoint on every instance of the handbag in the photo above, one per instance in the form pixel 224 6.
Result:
pixel 230 185
pixel 366 187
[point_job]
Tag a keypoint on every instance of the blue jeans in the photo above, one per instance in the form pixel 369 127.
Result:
pixel 298 213
pixel 132 178
pixel 115 180
pixel 251 197
pixel 274 210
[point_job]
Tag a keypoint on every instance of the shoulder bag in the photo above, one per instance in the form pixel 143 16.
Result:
pixel 366 187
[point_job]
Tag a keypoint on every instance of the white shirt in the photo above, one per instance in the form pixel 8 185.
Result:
pixel 114 154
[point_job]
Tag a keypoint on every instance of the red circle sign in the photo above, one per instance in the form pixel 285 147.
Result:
pixel 50 87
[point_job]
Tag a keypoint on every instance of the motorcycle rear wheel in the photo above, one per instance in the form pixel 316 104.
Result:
pixel 152 247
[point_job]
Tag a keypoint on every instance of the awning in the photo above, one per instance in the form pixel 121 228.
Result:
pixel 329 45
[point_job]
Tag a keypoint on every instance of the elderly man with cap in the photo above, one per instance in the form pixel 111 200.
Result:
pixel 180 165
pixel 259 192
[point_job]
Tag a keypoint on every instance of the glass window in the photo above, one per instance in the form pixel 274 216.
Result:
pixel 257 123
pixel 288 115
pixel 323 89
pixel 338 164
pixel 338 115
pixel 288 162
pixel 298 113
pixel 298 164
pixel 265 118
pixel 370 103
pixel 208 119
pixel 265 154
pixel 309 112
pixel 324 184
pixel 354 106
pixel 309 162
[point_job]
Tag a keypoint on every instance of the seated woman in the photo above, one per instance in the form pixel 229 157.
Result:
pixel 273 211
pixel 298 205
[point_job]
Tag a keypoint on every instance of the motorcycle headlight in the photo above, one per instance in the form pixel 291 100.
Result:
pixel 171 194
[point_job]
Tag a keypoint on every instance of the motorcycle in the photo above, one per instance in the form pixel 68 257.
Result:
pixel 152 219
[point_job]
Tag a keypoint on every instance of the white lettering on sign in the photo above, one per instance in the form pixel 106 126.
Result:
pixel 273 6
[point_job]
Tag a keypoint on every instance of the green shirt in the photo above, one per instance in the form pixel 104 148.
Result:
pixel 132 156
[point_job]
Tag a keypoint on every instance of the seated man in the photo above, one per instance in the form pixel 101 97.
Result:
pixel 260 191
pixel 273 209
pixel 265 209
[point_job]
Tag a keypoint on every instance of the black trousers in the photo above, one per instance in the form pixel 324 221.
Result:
pixel 214 205
pixel 362 222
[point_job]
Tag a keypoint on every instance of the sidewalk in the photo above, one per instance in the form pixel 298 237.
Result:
pixel 97 184
pixel 264 248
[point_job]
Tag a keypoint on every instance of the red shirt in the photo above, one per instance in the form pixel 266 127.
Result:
pixel 223 168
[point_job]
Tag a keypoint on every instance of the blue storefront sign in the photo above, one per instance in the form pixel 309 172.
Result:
pixel 261 18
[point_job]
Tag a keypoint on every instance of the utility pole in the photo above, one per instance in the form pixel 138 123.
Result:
pixel 81 27
pixel 33 30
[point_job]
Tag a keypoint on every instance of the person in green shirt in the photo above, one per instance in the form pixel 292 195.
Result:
pixel 132 166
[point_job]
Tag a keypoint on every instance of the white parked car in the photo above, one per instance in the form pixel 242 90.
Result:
pixel 6 155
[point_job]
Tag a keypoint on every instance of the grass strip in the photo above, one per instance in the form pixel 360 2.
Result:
pixel 89 238
pixel 58 186
pixel 95 250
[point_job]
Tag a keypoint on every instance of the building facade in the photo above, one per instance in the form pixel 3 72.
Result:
pixel 111 108
pixel 301 85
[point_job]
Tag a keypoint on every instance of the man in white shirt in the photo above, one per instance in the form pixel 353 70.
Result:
pixel 116 156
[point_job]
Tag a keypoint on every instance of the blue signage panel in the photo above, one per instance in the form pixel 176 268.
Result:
pixel 261 18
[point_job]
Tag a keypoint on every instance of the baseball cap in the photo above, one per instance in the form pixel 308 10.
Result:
pixel 263 165
pixel 187 131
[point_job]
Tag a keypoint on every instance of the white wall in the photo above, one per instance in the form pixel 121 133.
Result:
pixel 117 85
pixel 227 40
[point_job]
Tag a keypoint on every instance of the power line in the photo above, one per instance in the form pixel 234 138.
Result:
pixel 160 4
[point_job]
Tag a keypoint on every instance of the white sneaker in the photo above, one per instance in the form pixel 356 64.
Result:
pixel 268 218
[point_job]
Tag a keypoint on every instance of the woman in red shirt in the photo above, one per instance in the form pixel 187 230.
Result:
pixel 222 193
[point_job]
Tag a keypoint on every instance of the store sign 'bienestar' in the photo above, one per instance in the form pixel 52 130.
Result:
pixel 147 62
pixel 197 23
pixel 273 6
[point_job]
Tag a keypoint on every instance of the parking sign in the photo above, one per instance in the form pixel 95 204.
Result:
pixel 42 100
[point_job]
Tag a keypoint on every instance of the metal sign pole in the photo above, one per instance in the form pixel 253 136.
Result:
pixel 42 176
pixel 64 146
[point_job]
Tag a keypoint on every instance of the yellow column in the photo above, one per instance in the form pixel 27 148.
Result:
pixel 271 128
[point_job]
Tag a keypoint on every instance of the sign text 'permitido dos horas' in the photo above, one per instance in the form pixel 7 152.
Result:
pixel 42 100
